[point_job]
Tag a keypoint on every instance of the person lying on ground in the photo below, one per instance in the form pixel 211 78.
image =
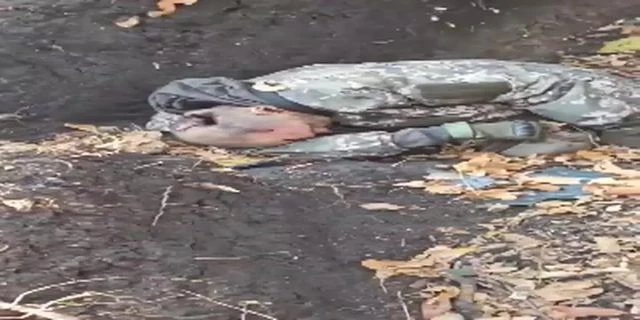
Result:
pixel 386 108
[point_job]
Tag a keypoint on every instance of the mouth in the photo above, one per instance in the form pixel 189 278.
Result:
pixel 189 122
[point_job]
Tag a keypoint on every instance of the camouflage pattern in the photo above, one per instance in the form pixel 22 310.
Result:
pixel 471 90
pixel 428 94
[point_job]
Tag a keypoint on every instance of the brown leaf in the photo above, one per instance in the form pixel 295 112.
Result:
pixel 595 155
pixel 610 167
pixel 490 164
pixel 168 7
pixel 607 244
pixel 521 241
pixel 562 291
pixel 435 307
pixel 83 127
pixel 212 186
pixel 381 206
pixel 439 188
pixel 128 22
pixel 568 312
pixel 428 264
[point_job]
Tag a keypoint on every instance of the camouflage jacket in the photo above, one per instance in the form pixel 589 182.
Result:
pixel 401 94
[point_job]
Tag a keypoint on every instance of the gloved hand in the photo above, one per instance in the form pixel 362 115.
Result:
pixel 517 130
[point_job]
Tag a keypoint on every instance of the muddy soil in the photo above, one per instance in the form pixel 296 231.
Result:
pixel 296 244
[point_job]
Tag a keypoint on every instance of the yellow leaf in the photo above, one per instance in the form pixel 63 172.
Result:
pixel 168 7
pixel 629 44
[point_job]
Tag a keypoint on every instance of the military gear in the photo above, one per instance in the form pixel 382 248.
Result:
pixel 387 96
pixel 384 144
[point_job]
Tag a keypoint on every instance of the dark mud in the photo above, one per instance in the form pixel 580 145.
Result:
pixel 297 243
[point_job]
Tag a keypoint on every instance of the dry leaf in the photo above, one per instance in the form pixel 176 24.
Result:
pixel 435 307
pixel 428 264
pixel 168 7
pixel 607 244
pixel 381 206
pixel 594 155
pixel 563 291
pixel 443 291
pixel 212 186
pixel 412 184
pixel 497 193
pixel 610 167
pixel 568 312
pixel 490 164
pixel 21 205
pixel 437 188
pixel 448 316
pixel 83 127
pixel 128 22
pixel 521 241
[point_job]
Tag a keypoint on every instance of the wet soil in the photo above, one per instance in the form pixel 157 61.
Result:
pixel 294 240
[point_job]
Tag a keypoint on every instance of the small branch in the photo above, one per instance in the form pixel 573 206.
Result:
pixel 51 315
pixel 163 205
pixel 226 305
pixel 404 306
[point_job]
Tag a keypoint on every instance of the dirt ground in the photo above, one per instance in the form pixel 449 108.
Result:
pixel 294 245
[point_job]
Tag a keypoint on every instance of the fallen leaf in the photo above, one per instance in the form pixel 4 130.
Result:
pixel 381 206
pixel 438 188
pixel 610 167
pixel 128 22
pixel 83 127
pixel 168 7
pixel 521 241
pixel 594 155
pixel 568 312
pixel 490 164
pixel 613 208
pixel 21 205
pixel 448 316
pixel 497 193
pixel 632 30
pixel 212 186
pixel 435 307
pixel 563 291
pixel 428 264
pixel 607 244
pixel 629 44
pixel 412 184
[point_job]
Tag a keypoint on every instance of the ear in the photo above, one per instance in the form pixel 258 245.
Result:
pixel 265 110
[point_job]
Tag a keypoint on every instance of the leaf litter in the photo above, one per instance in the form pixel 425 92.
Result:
pixel 563 258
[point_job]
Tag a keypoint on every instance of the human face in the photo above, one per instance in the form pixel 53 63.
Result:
pixel 242 127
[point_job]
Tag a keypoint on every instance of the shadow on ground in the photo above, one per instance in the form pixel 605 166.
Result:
pixel 296 245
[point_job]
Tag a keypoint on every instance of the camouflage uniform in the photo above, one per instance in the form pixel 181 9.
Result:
pixel 432 102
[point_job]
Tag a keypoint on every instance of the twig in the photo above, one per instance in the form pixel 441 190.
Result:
pixel 163 205
pixel 58 285
pixel 51 315
pixel 226 305
pixel 404 306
